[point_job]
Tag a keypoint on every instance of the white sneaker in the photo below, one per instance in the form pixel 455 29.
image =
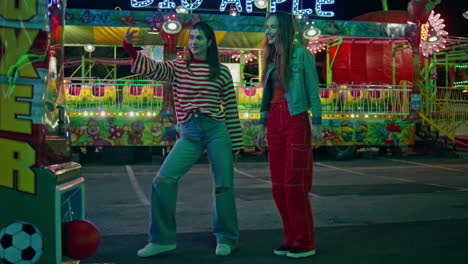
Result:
pixel 152 249
pixel 223 250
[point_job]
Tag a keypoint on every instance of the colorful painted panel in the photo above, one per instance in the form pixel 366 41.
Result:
pixel 349 133
pixel 123 131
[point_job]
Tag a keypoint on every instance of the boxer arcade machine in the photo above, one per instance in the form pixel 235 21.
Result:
pixel 41 189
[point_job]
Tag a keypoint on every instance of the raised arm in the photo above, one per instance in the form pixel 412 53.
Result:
pixel 141 64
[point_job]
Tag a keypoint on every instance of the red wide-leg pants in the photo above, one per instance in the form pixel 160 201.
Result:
pixel 290 159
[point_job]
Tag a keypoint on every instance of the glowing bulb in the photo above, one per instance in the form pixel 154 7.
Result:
pixel 172 27
pixel 260 4
pixel 312 33
pixel 89 48
pixel 433 39
pixel 181 10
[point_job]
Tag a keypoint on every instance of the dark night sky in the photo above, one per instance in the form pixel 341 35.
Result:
pixel 451 10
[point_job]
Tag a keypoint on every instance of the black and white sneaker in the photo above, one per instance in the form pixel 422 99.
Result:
pixel 296 252
pixel 282 250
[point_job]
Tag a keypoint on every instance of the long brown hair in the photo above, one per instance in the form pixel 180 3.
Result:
pixel 281 51
pixel 212 51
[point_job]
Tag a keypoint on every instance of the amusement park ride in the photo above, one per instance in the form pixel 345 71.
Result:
pixel 369 91
pixel 385 84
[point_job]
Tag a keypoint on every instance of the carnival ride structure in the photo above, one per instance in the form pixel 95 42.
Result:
pixel 366 92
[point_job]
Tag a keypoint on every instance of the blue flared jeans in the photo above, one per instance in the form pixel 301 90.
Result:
pixel 200 132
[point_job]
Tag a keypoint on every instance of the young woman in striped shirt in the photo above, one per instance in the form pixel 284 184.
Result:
pixel 206 110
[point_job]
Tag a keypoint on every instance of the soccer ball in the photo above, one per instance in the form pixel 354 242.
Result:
pixel 20 243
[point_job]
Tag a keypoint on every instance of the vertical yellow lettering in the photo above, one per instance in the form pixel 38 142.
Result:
pixel 15 162
pixel 10 107
pixel 18 9
pixel 17 46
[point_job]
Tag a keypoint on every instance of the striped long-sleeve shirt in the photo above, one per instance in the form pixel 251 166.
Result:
pixel 194 91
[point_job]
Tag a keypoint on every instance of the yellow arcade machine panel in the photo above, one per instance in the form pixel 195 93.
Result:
pixel 36 171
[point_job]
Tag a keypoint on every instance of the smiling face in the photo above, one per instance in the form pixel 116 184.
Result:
pixel 271 29
pixel 198 44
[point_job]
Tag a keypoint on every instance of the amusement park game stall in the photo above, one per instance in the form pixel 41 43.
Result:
pixel 41 190
pixel 367 71
pixel 365 93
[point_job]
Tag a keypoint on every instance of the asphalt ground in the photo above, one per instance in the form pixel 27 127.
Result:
pixel 366 210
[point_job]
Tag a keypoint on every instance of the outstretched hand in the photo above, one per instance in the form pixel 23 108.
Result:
pixel 131 36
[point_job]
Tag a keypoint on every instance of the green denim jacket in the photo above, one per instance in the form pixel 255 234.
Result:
pixel 302 91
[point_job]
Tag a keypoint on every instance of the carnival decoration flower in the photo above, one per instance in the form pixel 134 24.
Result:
pixel 432 35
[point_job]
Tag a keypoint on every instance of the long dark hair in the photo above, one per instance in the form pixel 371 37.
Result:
pixel 281 51
pixel 212 51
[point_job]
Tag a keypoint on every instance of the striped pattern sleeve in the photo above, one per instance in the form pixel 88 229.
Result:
pixel 159 71
pixel 229 102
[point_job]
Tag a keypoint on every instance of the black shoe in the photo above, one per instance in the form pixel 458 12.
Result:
pixel 296 252
pixel 282 250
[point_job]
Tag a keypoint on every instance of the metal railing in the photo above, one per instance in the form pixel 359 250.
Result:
pixel 121 94
pixel 132 94
pixel 341 99
pixel 446 108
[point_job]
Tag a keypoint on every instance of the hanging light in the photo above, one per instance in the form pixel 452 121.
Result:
pixel 433 39
pixel 312 33
pixel 465 14
pixel 261 4
pixel 432 36
pixel 89 48
pixel 172 27
pixel 181 10
pixel 172 24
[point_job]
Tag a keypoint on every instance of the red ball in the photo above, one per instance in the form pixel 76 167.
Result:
pixel 81 239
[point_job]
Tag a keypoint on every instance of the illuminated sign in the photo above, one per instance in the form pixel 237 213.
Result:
pixel 17 156
pixel 168 4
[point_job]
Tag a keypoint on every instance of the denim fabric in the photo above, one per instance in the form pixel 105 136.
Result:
pixel 198 133
pixel 302 89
